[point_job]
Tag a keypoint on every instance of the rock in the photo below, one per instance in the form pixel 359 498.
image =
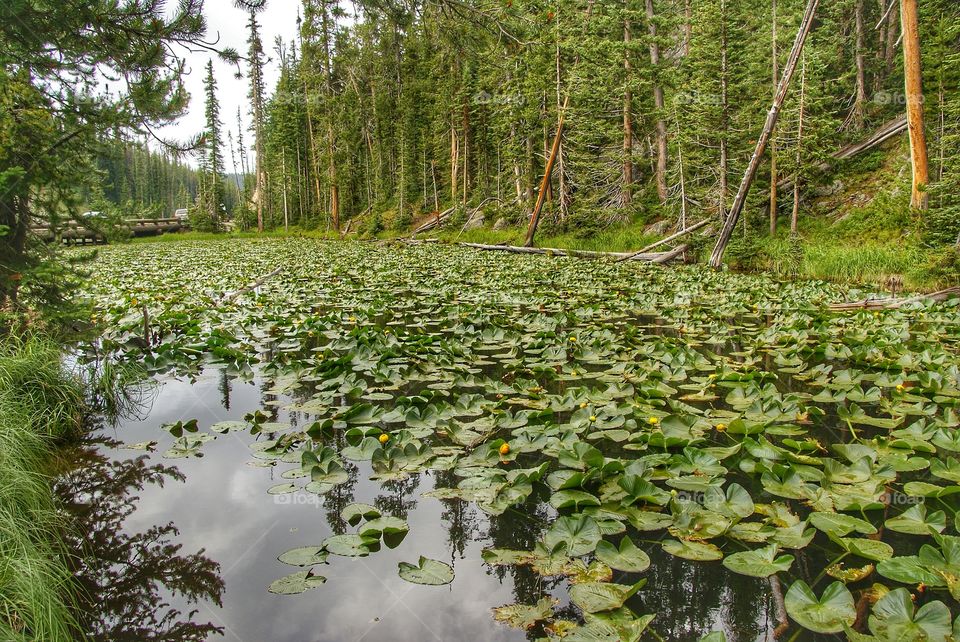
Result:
pixel 501 224
pixel 476 222
pixel 829 190
pixel 658 228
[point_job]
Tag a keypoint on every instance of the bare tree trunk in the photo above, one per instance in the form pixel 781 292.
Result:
pixel 331 141
pixel 683 184
pixel 530 168
pixel 454 162
pixel 772 116
pixel 627 115
pixel 795 215
pixel 661 173
pixel 687 26
pixel 466 152
pixel 914 90
pixel 893 35
pixel 286 210
pixel 860 92
pixel 773 142
pixel 551 160
pixel 725 114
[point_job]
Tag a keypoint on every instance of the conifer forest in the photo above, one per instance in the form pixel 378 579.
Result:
pixel 581 320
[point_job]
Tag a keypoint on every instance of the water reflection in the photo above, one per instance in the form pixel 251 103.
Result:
pixel 143 587
pixel 126 577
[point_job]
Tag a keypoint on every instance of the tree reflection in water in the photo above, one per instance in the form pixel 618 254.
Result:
pixel 126 579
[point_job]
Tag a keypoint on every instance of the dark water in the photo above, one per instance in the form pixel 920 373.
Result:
pixel 218 505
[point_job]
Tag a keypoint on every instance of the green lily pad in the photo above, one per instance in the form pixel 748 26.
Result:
pixel 296 583
pixel 827 614
pixel 427 571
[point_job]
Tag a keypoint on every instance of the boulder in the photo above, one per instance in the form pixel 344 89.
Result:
pixel 476 222
pixel 501 224
pixel 659 228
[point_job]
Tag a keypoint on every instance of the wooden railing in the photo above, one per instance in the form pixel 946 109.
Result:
pixel 74 232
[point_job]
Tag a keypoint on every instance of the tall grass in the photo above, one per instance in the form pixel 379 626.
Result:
pixel 39 403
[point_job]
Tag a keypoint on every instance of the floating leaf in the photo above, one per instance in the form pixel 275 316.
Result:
pixel 295 583
pixel 827 614
pixel 761 562
pixel 626 558
pixel 427 571
pixel 522 616
pixel 592 597
pixel 304 556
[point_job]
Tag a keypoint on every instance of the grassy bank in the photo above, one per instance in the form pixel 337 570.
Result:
pixel 867 246
pixel 39 405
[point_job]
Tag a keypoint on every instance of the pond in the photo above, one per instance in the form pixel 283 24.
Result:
pixel 391 442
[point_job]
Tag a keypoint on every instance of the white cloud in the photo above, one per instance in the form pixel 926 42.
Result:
pixel 227 25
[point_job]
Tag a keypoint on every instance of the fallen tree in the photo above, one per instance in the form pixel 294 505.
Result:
pixel 892 303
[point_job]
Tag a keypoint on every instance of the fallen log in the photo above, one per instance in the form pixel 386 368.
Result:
pixel 894 303
pixel 429 225
pixel 672 237
pixel 880 136
pixel 672 254
pixel 659 257
pixel 227 296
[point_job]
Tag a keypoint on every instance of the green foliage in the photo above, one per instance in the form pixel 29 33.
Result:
pixel 39 403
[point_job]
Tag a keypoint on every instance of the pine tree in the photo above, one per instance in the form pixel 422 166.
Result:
pixel 212 203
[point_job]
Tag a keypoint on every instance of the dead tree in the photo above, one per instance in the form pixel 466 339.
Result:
pixel 772 116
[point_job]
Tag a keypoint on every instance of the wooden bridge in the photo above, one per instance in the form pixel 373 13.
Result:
pixel 74 232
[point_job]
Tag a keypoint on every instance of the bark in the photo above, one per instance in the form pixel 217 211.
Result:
pixel 893 34
pixel 860 91
pixel 331 140
pixel 771 123
pixel 466 151
pixel 627 115
pixel 914 93
pixel 551 160
pixel 661 173
pixel 672 237
pixel 773 142
pixel 794 217
pixel 725 116
pixel 454 162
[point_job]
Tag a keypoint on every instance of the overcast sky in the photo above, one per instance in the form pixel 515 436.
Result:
pixel 230 25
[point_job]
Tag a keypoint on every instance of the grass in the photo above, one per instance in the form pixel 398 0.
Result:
pixel 39 404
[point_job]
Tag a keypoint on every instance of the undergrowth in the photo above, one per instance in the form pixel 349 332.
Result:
pixel 39 404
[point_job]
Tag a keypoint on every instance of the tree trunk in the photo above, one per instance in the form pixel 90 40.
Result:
pixel 454 162
pixel 893 34
pixel 722 200
pixel 773 142
pixel 687 26
pixel 860 91
pixel 772 116
pixel 795 215
pixel 627 116
pixel 331 141
pixel 914 92
pixel 466 152
pixel 535 216
pixel 661 173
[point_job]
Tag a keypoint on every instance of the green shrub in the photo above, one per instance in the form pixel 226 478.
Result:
pixel 39 402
